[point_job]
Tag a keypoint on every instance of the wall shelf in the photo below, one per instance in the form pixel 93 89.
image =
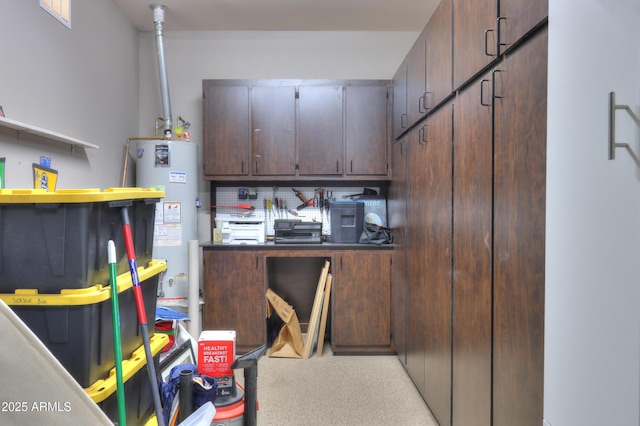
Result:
pixel 38 131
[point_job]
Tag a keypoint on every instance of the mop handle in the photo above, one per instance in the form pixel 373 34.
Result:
pixel 133 267
pixel 117 341
pixel 142 316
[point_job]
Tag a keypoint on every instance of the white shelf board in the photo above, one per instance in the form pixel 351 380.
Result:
pixel 27 128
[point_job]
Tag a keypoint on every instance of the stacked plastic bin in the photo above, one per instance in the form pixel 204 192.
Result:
pixel 54 274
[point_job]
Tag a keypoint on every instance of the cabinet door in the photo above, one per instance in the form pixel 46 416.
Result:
pixel 361 302
pixel 416 79
pixel 273 111
pixel 366 130
pixel 399 83
pixel 520 85
pixel 226 130
pixel 417 236
pixel 234 295
pixel 435 148
pixel 474 37
pixel 320 121
pixel 517 17
pixel 397 210
pixel 439 57
pixel 472 241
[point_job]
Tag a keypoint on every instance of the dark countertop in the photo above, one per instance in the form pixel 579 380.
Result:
pixel 273 246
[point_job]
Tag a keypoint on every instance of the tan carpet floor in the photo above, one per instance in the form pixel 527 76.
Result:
pixel 337 390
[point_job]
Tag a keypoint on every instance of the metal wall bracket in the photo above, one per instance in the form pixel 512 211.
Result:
pixel 612 129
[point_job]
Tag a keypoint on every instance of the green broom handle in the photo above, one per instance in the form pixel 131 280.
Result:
pixel 117 341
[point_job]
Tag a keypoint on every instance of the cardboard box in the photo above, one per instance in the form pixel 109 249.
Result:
pixel 216 352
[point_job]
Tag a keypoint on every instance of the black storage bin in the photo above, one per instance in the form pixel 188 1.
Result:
pixel 76 324
pixel 58 240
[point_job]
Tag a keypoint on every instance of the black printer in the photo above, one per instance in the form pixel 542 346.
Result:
pixel 295 231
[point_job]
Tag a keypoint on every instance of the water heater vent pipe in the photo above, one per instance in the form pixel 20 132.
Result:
pixel 158 20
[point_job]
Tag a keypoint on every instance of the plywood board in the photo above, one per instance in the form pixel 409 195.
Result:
pixel 325 310
pixel 316 311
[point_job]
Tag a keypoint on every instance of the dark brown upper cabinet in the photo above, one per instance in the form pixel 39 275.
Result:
pixel 367 130
pixel 320 139
pixel 226 132
pixel 517 18
pixel 307 129
pixel 273 127
pixel 399 84
pixel 439 57
pixel 416 79
pixel 474 37
pixel 483 31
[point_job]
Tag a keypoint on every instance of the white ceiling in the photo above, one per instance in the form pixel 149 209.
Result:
pixel 296 15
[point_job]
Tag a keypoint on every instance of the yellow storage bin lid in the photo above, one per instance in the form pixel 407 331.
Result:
pixel 82 296
pixel 93 195
pixel 102 389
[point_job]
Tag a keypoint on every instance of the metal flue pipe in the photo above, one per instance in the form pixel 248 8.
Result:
pixel 158 20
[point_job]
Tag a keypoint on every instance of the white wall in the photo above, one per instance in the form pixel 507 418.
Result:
pixel 592 330
pixel 194 56
pixel 81 82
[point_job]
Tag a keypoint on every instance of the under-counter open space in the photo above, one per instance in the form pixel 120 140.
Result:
pixel 295 280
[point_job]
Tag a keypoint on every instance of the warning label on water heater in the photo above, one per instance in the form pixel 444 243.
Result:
pixel 177 177
pixel 168 224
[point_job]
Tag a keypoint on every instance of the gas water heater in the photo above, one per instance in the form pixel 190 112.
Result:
pixel 171 166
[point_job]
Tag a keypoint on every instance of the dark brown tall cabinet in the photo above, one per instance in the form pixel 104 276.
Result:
pixel 472 254
pixel 429 260
pixel 416 303
pixel 475 230
pixel 397 220
pixel 520 127
pixel 499 234
pixel 433 152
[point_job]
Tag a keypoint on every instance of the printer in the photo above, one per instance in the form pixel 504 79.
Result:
pixel 239 229
pixel 295 231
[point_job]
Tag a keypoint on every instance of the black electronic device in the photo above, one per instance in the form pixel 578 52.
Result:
pixel 295 231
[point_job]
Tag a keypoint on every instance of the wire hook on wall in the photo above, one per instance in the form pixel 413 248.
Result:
pixel 612 129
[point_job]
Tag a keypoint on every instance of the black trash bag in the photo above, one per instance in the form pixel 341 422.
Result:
pixel 205 389
pixel 372 233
